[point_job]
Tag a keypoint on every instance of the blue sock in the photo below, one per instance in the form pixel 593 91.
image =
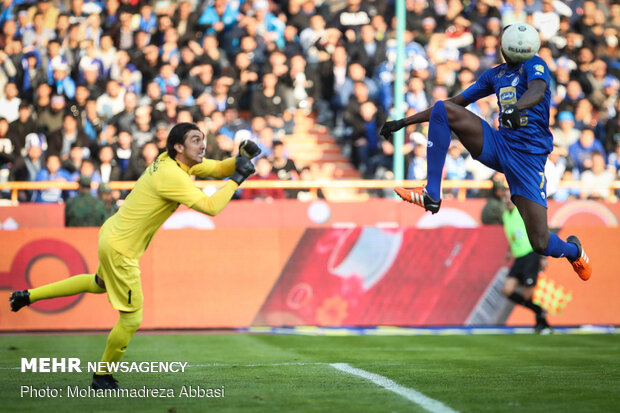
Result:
pixel 439 142
pixel 558 248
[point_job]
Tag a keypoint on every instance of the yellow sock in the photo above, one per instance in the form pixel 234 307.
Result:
pixel 119 337
pixel 83 283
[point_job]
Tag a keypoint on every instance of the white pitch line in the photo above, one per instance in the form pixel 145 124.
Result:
pixel 415 396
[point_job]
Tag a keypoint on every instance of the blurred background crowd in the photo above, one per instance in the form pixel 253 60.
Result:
pixel 91 88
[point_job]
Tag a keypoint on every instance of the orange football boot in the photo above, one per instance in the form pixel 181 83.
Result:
pixel 419 197
pixel 581 264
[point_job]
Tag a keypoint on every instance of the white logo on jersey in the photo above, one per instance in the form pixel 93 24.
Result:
pixel 515 81
pixel 543 195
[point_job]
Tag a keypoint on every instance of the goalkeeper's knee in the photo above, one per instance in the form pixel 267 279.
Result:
pixel 131 321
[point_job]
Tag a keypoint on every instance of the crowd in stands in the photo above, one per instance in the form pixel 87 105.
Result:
pixel 91 88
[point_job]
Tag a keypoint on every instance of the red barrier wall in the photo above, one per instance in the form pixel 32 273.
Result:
pixel 236 277
pixel 374 212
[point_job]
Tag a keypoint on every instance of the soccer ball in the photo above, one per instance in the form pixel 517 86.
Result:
pixel 520 42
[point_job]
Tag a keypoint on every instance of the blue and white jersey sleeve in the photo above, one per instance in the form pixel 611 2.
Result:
pixel 535 68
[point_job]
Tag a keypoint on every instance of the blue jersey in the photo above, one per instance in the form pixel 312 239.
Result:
pixel 534 135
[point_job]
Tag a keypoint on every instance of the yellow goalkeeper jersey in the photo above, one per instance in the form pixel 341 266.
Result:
pixel 163 186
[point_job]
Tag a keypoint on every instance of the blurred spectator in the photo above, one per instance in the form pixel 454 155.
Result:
pixel 140 161
pixel 125 119
pixel 74 161
pixel 494 207
pixel 50 118
pixel 219 19
pixel 565 133
pixel 554 169
pixel 108 199
pixel 9 103
pixel 283 167
pixel 581 151
pixel 573 95
pixel 455 164
pixel 22 126
pixel 62 83
pixel 7 71
pixel 84 210
pixel 515 13
pixel 417 166
pixel 125 151
pixel 596 182
pixel 546 21
pixel 48 10
pixel 268 101
pixel 587 117
pixel 108 168
pixel 142 130
pixel 309 194
pixel 60 142
pixel 112 101
pixel 350 19
pixel 366 50
pixel 51 172
pixel 27 168
pixel 263 172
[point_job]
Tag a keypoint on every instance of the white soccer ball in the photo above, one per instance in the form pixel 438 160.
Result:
pixel 520 42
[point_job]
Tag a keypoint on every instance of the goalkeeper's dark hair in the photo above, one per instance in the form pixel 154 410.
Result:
pixel 177 135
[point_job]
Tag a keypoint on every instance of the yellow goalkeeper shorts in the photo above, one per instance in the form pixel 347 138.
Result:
pixel 121 275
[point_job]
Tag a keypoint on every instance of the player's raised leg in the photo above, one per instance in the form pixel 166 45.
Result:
pixel 547 243
pixel 83 283
pixel 445 117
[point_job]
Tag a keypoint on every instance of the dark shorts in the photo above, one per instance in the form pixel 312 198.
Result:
pixel 526 269
pixel 525 172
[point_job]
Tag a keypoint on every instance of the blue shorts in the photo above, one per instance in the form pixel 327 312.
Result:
pixel 525 172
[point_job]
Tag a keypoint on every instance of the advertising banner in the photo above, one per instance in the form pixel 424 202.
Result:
pixel 359 276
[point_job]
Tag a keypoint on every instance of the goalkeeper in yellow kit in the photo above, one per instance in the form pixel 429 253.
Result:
pixel 123 237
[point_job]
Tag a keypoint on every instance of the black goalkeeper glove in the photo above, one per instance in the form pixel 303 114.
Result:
pixel 249 149
pixel 511 117
pixel 391 127
pixel 243 169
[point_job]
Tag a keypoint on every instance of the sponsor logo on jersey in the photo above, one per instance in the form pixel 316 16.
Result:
pixel 539 68
pixel 507 96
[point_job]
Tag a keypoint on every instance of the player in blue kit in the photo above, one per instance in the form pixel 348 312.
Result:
pixel 519 148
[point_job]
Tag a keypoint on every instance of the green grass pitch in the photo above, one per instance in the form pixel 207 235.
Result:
pixel 279 373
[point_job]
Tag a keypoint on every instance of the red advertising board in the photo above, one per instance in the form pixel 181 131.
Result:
pixel 363 276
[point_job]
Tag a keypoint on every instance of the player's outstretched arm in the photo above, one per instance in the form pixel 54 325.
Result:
pixel 223 169
pixel 210 168
pixel 392 126
pixel 212 205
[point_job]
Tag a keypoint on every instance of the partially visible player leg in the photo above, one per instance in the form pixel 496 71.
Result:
pixel 525 271
pixel 547 243
pixel 83 283
pixel 121 275
pixel 542 326
pixel 116 344
pixel 445 116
